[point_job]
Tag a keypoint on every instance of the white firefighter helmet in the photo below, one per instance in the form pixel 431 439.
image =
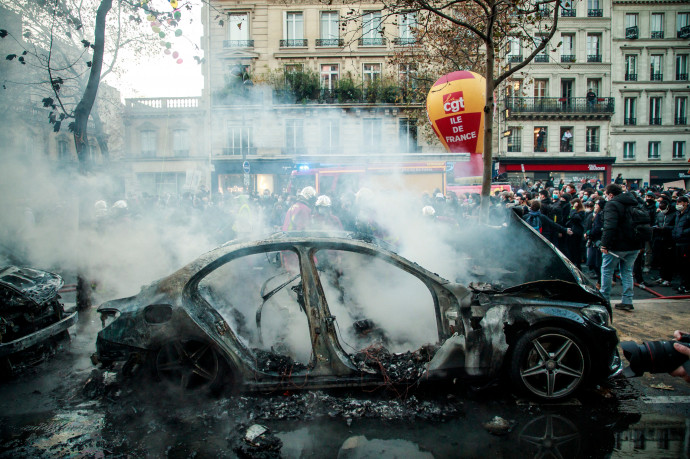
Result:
pixel 308 193
pixel 323 201
pixel 428 211
pixel 100 206
pixel 364 195
pixel 121 204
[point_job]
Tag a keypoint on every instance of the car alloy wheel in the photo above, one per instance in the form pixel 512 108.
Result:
pixel 549 363
pixel 188 364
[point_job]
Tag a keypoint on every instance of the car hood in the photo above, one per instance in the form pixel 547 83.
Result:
pixel 39 286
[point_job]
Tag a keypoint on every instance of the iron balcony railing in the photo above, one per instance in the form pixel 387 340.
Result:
pixel 681 77
pixel 592 146
pixel 567 58
pixel 514 58
pixel 568 12
pixel 630 121
pixel 656 77
pixel 541 58
pixel 684 32
pixel 595 13
pixel 359 94
pixel 404 41
pixel 631 33
pixel 330 42
pixel 239 151
pixel 574 105
pixel 373 41
pixel 238 43
pixel 655 121
pixel 631 77
pixel 594 58
pixel 682 120
pixel 294 43
pixel 658 34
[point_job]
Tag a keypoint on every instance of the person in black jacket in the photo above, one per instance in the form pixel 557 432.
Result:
pixel 546 208
pixel 662 242
pixel 650 206
pixel 575 231
pixel 594 238
pixel 681 237
pixel 618 245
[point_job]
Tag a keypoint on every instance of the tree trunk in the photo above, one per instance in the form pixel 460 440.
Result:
pixel 488 133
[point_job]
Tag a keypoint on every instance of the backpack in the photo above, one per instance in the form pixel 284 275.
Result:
pixel 639 220
pixel 534 220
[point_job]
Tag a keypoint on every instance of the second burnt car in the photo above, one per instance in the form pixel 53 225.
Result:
pixel 319 310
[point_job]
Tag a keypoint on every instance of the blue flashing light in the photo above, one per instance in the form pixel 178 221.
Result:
pixel 303 167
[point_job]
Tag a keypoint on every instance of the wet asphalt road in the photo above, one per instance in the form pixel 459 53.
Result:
pixel 55 410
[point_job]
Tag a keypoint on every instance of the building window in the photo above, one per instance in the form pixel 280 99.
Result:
pixel 148 143
pixel 294 135
pixel 515 139
pixel 592 139
pixel 628 150
pixel 653 150
pixel 681 111
pixel 239 140
pixel 238 31
pixel 656 24
pixel 594 9
pixel 679 149
pixel 293 32
pixel 330 29
pixel 568 9
pixel 593 47
pixel 330 135
pixel 683 25
pixel 594 85
pixel 329 76
pixel 541 138
pixel 371 131
pixel 371 29
pixel 63 150
pixel 514 50
pixel 180 142
pixel 370 73
pixel 682 67
pixel 568 48
pixel 630 67
pixel 566 139
pixel 408 75
pixel 631 30
pixel 407 130
pixel 656 62
pixel 655 110
pixel 630 111
pixel 407 22
pixel 541 88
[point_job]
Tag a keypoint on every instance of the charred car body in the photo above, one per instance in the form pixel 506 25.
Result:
pixel 31 315
pixel 323 310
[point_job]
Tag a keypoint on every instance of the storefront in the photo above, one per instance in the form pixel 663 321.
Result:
pixel 575 170
pixel 229 176
pixel 670 177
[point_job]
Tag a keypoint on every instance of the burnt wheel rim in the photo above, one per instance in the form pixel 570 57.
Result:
pixel 188 364
pixel 553 367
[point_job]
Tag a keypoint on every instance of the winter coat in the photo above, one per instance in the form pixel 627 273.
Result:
pixel 587 222
pixel 575 223
pixel 617 230
pixel 663 224
pixel 298 217
pixel 681 228
pixel 597 228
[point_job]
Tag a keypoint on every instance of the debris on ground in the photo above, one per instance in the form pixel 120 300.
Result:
pixel 395 368
pixel 498 426
pixel 271 362
pixel 255 441
pixel 662 386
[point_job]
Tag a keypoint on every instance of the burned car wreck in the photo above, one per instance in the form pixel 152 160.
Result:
pixel 320 310
pixel 32 317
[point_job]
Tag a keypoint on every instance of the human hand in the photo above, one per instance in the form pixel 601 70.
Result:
pixel 604 250
pixel 680 371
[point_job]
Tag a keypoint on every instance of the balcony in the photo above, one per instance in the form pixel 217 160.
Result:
pixel 568 13
pixel 681 121
pixel 657 34
pixel 594 58
pixel 592 147
pixel 330 42
pixel 238 43
pixel 373 41
pixel 539 107
pixel 541 58
pixel 350 93
pixel 595 13
pixel 630 121
pixel 512 58
pixel 656 77
pixel 404 41
pixel 162 103
pixel 567 58
pixel 294 43
pixel 239 151
pixel 655 121
pixel 684 32
pixel 681 77
pixel 632 33
pixel 631 77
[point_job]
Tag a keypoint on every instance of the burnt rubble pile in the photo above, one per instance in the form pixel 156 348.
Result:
pixel 396 368
pixel 255 442
pixel 270 362
pixel 314 405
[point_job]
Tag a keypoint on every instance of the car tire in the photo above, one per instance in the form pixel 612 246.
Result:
pixel 549 364
pixel 190 364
